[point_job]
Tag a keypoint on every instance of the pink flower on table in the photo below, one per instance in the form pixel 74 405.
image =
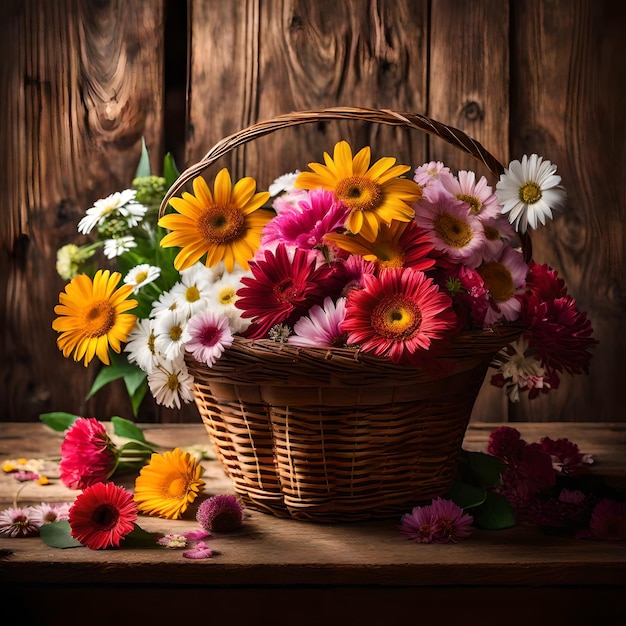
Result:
pixel 566 457
pixel 88 455
pixel 18 522
pixel 608 521
pixel 199 551
pixel 442 521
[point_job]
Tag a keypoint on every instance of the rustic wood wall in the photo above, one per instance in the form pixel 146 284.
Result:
pixel 83 80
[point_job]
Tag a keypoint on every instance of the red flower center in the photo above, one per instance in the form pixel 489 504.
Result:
pixel 105 516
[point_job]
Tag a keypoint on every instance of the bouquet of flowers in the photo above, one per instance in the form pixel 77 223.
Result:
pixel 385 259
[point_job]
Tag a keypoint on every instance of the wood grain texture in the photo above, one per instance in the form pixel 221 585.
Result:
pixel 567 104
pixel 80 89
pixel 271 58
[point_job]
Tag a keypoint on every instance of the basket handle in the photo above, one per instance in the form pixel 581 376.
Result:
pixel 451 135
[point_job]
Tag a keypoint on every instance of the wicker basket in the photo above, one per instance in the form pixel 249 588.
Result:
pixel 335 435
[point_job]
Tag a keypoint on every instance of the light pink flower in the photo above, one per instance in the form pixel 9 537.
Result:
pixel 199 551
pixel 442 521
pixel 210 335
pixel 478 196
pixel 321 327
pixel 17 522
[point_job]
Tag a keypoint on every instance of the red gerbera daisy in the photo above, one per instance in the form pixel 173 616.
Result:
pixel 397 314
pixel 286 283
pixel 102 515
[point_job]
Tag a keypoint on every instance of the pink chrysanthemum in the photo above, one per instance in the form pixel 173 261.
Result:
pixel 478 196
pixel 49 512
pixel 567 459
pixel 442 521
pixel 459 236
pixel 285 284
pixel 18 522
pixel 498 233
pixel 506 444
pixel 102 516
pixel 209 336
pixel 305 224
pixel 322 326
pixel 505 279
pixel 397 314
pixel 608 521
pixel 430 177
pixel 88 455
pixel 220 513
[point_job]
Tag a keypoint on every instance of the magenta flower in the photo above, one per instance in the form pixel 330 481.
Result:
pixel 220 513
pixel 305 224
pixel 210 335
pixel 88 456
pixel 199 551
pixel 608 521
pixel 442 521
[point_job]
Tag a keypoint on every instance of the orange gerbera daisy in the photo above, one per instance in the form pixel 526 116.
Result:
pixel 374 194
pixel 168 484
pixel 225 225
pixel 92 316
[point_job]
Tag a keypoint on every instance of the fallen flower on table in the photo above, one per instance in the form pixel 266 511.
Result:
pixel 442 521
pixel 27 521
pixel 220 513
pixel 168 484
pixel 199 551
pixel 102 515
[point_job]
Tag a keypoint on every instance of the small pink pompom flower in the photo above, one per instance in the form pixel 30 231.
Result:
pixel 221 513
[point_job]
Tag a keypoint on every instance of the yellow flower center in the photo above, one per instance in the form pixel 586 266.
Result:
pixel 226 295
pixel 140 277
pixel 98 318
pixel 172 382
pixel 151 347
pixel 221 223
pixel 476 206
pixel 530 192
pixel 491 233
pixel 388 254
pixel 452 230
pixel 499 281
pixel 359 193
pixel 192 294
pixel 175 333
pixel 177 488
pixel 396 318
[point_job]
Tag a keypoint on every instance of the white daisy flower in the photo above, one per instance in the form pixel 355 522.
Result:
pixel 170 334
pixel 105 207
pixel 223 296
pixel 141 275
pixel 283 183
pixel 170 383
pixel 192 292
pixel 133 212
pixel 168 301
pixel 140 345
pixel 529 191
pixel 116 247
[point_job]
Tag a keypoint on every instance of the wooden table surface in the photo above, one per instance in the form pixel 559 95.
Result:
pixel 368 568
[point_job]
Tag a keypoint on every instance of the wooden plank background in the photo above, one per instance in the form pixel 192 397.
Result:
pixel 81 81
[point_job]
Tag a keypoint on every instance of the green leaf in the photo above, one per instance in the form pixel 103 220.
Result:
pixel 465 495
pixel 137 397
pixel 57 535
pixel 485 470
pixel 170 171
pixel 494 513
pixel 143 169
pixel 133 379
pixel 119 368
pixel 140 538
pixel 125 428
pixel 58 421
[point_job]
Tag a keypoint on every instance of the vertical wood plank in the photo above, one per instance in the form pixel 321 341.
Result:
pixel 468 88
pixel 568 105
pixel 82 84
pixel 254 60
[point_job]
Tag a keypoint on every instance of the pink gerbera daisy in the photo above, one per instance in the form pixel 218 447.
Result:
pixel 397 314
pixel 88 455
pixel 322 326
pixel 305 224
pixel 209 335
pixel 285 284
pixel 505 279
pixel 458 235
pixel 479 198
pixel 102 516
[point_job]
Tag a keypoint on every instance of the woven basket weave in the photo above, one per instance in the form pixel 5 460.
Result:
pixel 330 434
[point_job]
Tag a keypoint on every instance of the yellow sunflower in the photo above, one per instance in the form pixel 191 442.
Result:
pixel 168 484
pixel 92 316
pixel 375 195
pixel 225 225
